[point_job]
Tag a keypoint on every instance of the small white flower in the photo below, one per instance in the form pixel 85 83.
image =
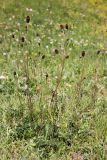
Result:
pixel 16 31
pixel 59 35
pixel 13 17
pixel 25 87
pixel 18 24
pixel 10 19
pixel 47 46
pixel 51 42
pixel 3 77
pixel 38 40
pixel 51 22
pixel 27 9
pixel 70 49
pixel 85 44
pixel 71 39
pixel 4 54
pixel 30 9
pixel 21 61
pixel 76 42
pixel 17 40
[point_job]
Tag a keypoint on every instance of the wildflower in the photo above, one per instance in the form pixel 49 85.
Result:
pixel 46 76
pixel 61 26
pixel 37 34
pixel 56 51
pixel 70 49
pixel 4 54
pixel 13 16
pixel 67 56
pixel 39 44
pixel 43 57
pixel 27 9
pixel 30 9
pixel 82 54
pixel 13 36
pixel 14 73
pixel 66 26
pixel 3 77
pixel 38 39
pixel 10 19
pixel 18 24
pixel 51 42
pixel 17 40
pixel 98 52
pixel 21 61
pixel 27 19
pixel 22 39
pixel 24 88
pixel 47 46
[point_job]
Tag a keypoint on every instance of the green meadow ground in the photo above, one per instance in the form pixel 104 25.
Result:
pixel 53 80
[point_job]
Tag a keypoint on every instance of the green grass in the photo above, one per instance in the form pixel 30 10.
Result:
pixel 53 97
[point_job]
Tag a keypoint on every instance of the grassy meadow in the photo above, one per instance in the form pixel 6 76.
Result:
pixel 53 80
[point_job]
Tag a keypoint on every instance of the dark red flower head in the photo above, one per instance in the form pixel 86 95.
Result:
pixel 56 51
pixel 22 39
pixel 13 36
pixel 14 73
pixel 61 26
pixel 66 26
pixel 82 54
pixel 27 19
pixel 98 52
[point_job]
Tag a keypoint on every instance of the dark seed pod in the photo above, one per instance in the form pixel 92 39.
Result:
pixel 98 52
pixel 67 56
pixel 14 73
pixel 47 76
pixel 56 51
pixel 66 26
pixel 26 27
pixel 68 143
pixel 82 54
pixel 43 57
pixel 27 19
pixel 39 44
pixel 54 93
pixel 37 34
pixel 13 36
pixel 22 39
pixel 61 26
